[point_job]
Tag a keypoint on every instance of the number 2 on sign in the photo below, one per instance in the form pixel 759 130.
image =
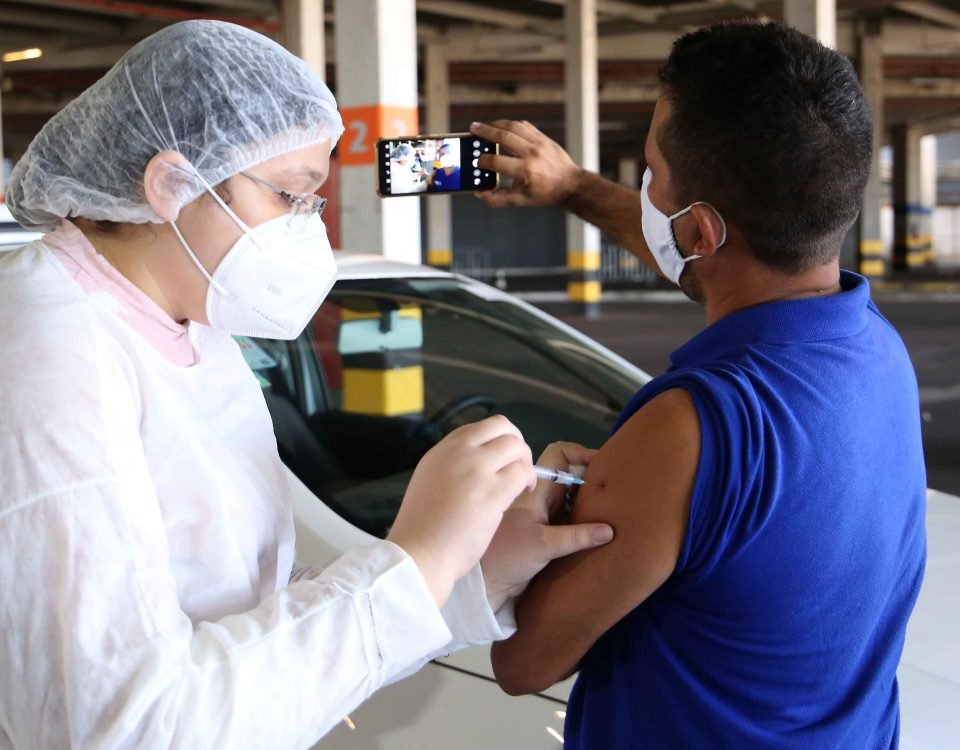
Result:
pixel 358 145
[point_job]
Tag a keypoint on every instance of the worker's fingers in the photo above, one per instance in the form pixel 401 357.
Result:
pixel 519 475
pixel 509 136
pixel 525 129
pixel 510 166
pixel 562 455
pixel 505 450
pixel 479 433
pixel 502 197
pixel 560 541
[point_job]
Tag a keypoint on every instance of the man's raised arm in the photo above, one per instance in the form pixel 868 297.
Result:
pixel 543 174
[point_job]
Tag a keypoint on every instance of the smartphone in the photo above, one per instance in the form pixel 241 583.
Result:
pixel 433 165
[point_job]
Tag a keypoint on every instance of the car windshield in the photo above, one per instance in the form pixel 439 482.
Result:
pixel 387 367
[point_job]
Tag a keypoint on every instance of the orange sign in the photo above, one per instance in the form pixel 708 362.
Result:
pixel 363 125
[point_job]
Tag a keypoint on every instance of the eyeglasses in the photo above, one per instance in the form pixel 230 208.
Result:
pixel 302 206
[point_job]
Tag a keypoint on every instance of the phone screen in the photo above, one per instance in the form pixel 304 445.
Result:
pixel 433 164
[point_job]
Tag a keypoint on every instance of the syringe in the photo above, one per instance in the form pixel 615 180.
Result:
pixel 556 476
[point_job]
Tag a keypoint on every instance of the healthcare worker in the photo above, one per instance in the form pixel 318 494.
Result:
pixel 406 174
pixel 150 595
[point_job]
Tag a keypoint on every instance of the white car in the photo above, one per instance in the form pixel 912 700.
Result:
pixel 482 351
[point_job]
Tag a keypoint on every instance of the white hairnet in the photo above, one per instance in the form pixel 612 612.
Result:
pixel 224 96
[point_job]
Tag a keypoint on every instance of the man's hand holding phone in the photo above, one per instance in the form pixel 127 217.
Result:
pixel 542 173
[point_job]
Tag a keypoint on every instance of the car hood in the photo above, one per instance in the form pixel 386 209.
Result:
pixel 929 672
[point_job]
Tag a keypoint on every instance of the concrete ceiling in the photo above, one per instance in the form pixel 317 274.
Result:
pixel 506 55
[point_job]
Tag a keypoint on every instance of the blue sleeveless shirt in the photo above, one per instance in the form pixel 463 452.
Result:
pixel 783 622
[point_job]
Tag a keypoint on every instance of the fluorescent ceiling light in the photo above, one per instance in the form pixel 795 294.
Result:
pixel 23 54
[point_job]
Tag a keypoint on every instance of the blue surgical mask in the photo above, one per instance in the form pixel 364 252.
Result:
pixel 658 233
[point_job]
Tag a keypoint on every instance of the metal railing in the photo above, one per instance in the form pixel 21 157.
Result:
pixel 617 264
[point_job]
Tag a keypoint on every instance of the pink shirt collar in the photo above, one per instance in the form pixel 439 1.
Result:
pixel 93 274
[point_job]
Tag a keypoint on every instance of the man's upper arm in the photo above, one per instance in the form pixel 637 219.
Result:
pixel 641 483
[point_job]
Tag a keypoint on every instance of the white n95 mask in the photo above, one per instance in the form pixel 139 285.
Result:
pixel 273 279
pixel 658 232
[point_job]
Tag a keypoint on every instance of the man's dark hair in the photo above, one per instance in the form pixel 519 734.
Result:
pixel 774 130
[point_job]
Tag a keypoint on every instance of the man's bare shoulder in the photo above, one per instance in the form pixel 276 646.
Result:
pixel 653 457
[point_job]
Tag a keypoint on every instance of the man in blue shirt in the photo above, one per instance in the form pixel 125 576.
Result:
pixel 447 176
pixel 767 491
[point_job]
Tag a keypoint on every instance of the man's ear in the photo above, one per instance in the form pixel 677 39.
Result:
pixel 712 230
pixel 166 180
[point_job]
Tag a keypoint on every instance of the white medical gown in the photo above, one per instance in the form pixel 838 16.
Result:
pixel 146 544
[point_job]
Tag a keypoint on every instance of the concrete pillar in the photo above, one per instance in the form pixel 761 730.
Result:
pixel 583 143
pixel 437 112
pixel 872 260
pixel 928 188
pixel 818 18
pixel 3 176
pixel 629 172
pixel 303 33
pixel 911 215
pixel 376 42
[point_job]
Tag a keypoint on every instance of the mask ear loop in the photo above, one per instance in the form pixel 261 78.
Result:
pixel 220 290
pixel 186 246
pixel 723 223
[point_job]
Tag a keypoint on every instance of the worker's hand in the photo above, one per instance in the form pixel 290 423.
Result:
pixel 543 173
pixel 526 541
pixel 457 497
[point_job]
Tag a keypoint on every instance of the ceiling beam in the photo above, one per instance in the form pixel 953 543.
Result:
pixel 619 9
pixel 942 123
pixel 261 7
pixel 932 89
pixel 71 22
pixel 512 72
pixel 138 9
pixel 930 12
pixel 120 8
pixel 538 94
pixel 481 14
pixel 652 14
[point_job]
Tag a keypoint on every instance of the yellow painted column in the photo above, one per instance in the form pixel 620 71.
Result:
pixel 382 361
pixel 912 225
pixel 872 259
pixel 584 285
pixel 436 107
pixel 582 140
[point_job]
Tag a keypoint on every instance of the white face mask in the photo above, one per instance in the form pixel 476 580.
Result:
pixel 658 233
pixel 273 279
pixel 447 161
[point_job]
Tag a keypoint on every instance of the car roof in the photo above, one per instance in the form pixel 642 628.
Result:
pixel 357 265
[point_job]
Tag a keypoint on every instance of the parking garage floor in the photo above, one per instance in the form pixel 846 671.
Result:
pixel 647 328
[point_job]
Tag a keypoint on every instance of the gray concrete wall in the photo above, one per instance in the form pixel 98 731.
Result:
pixel 506 237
